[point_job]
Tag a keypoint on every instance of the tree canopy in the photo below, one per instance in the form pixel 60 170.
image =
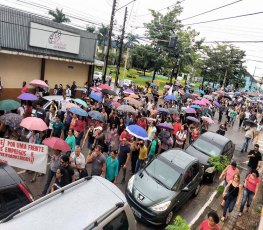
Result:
pixel 58 16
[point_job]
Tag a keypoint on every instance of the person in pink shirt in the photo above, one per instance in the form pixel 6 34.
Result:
pixel 250 190
pixel 211 222
pixel 229 172
pixel 24 88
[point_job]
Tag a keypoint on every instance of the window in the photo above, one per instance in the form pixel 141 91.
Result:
pixel 188 176
pixel 120 222
pixel 195 168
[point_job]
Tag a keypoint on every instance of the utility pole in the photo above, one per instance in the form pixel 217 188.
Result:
pixel 109 42
pixel 121 46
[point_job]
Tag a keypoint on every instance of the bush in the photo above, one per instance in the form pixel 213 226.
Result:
pixel 220 189
pixel 179 224
pixel 219 162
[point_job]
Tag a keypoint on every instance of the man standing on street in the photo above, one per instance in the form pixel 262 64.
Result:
pixel 98 162
pixel 254 156
pixel 124 155
pixel 73 89
pixel 77 160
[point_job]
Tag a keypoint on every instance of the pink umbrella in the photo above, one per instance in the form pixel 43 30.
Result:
pixel 69 105
pixel 95 89
pixel 207 119
pixel 104 86
pixel 57 143
pixel 197 102
pixel 38 83
pixel 115 104
pixel 34 123
pixel 190 110
pixel 206 101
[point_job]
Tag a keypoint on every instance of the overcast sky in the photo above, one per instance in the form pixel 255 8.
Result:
pixel 244 28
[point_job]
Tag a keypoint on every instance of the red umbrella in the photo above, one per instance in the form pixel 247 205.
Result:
pixel 38 83
pixel 115 104
pixel 57 143
pixel 33 123
pixel 104 86
pixel 95 89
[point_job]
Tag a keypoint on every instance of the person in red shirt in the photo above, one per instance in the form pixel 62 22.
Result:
pixel 177 127
pixel 125 135
pixel 211 222
pixel 142 122
pixel 24 88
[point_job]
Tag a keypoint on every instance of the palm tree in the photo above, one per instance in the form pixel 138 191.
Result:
pixel 58 16
pixel 132 40
pixel 90 29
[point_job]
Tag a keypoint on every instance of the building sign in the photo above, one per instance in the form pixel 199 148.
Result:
pixel 24 155
pixel 55 39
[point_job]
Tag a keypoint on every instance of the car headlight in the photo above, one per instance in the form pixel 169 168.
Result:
pixel 161 207
pixel 130 183
pixel 210 170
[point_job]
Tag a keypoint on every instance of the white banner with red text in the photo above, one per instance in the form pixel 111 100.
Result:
pixel 24 155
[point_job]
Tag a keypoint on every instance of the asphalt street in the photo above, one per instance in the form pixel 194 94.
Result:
pixel 193 206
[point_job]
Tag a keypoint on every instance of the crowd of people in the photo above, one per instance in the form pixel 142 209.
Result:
pixel 175 119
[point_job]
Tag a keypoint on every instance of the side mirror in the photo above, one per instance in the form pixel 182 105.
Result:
pixel 185 189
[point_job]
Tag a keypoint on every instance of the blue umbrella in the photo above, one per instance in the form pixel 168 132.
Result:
pixel 137 131
pixel 201 91
pixel 78 111
pixel 195 107
pixel 162 110
pixel 153 84
pixel 172 111
pixel 81 102
pixel 95 115
pixel 96 96
pixel 170 98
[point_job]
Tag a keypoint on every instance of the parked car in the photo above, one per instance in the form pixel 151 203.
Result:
pixel 89 203
pixel 14 194
pixel 208 145
pixel 97 76
pixel 163 186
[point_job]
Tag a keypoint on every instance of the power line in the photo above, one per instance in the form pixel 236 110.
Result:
pixel 234 41
pixel 208 11
pixel 253 60
pixel 221 19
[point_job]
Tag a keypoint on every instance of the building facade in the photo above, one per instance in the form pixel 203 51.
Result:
pixel 33 47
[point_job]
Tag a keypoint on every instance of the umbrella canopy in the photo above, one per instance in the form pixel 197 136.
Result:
pixel 206 101
pixel 95 89
pixel 27 97
pixel 207 119
pixel 250 123
pixel 165 125
pixel 195 107
pixel 11 119
pixel 137 131
pixel 170 98
pixel 109 91
pixel 95 115
pixel 57 143
pixel 150 119
pixel 167 86
pixel 81 102
pixel 9 104
pixel 104 86
pixel 216 104
pixel 162 110
pixel 115 104
pixel 190 110
pixel 69 105
pixel 132 101
pixel 38 83
pixel 128 91
pixel 172 111
pixel 96 96
pixel 201 91
pixel 78 111
pixel 126 108
pixel 209 97
pixel 34 123
pixel 153 84
pixel 189 95
pixel 193 119
pixel 135 96
pixel 197 102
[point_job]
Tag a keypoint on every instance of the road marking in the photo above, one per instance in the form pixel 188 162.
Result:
pixel 204 207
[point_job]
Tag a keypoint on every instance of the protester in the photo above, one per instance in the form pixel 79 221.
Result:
pixel 97 159
pixel 77 161
pixel 124 155
pixel 60 180
pixel 211 222
pixel 142 156
pixel 254 157
pixel 112 167
pixel 69 175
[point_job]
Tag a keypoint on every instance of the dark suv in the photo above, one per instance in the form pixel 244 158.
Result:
pixel 13 192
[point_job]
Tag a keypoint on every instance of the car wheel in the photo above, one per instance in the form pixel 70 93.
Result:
pixel 197 190
pixel 169 217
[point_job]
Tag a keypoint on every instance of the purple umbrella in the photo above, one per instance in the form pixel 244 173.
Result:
pixel 193 119
pixel 27 97
pixel 189 110
pixel 165 125
pixel 128 91
pixel 216 104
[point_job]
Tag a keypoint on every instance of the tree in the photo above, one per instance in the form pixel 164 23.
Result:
pixel 103 33
pixel 90 29
pixel 224 64
pixel 58 16
pixel 132 40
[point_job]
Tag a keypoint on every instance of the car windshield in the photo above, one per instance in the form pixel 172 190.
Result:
pixel 206 147
pixel 162 173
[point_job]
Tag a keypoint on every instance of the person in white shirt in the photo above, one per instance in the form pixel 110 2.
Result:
pixel 77 160
pixel 68 91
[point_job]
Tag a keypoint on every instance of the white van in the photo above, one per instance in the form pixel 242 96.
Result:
pixel 89 203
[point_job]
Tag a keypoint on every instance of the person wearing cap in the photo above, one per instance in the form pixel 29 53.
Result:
pixel 254 157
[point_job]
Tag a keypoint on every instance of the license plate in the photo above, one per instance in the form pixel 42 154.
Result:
pixel 136 213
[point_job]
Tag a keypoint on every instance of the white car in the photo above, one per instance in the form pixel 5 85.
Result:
pixel 97 76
